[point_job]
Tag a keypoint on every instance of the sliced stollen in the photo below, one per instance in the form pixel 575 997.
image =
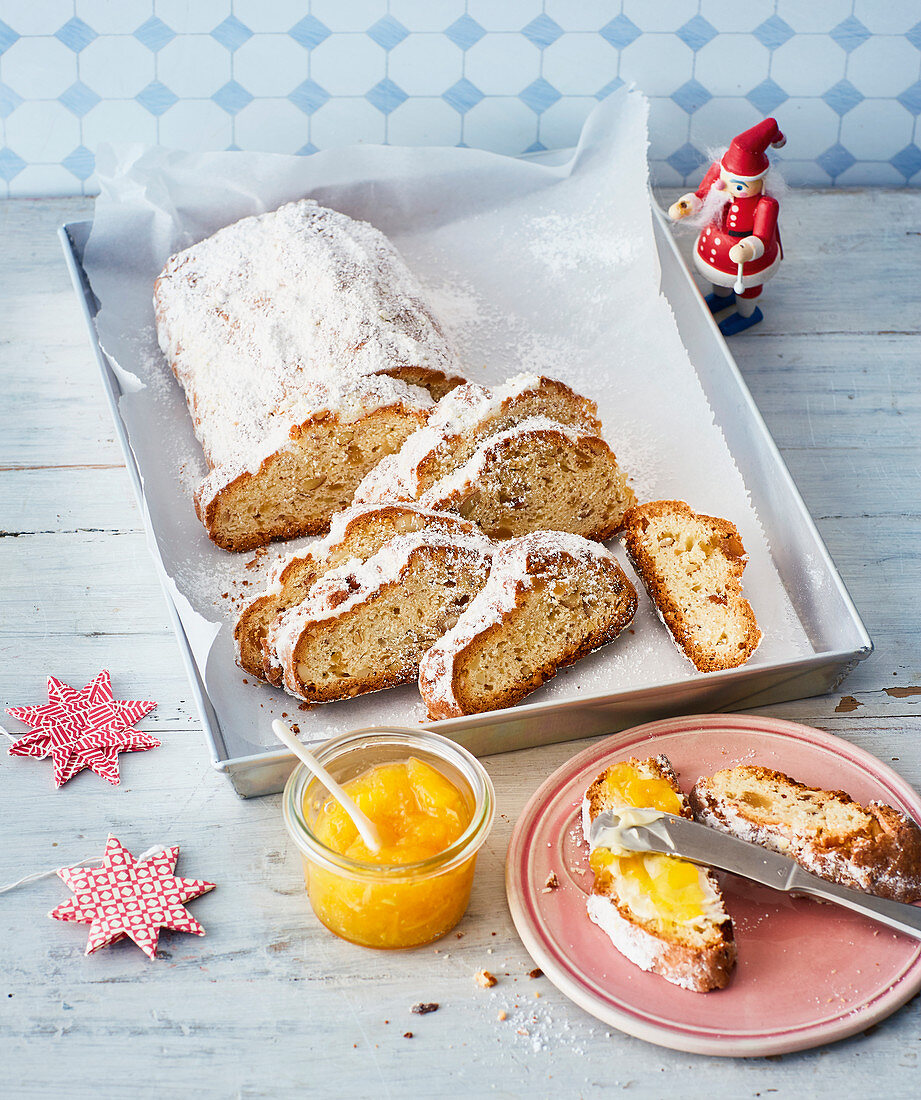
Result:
pixel 551 598
pixel 664 914
pixel 538 475
pixel 299 475
pixel 253 320
pixel 691 565
pixel 366 624
pixel 873 848
pixel 355 533
pixel 460 421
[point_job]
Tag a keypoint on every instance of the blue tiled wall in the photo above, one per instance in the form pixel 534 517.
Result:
pixel 843 78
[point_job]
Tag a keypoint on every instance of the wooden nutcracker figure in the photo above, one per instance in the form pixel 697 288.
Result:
pixel 739 248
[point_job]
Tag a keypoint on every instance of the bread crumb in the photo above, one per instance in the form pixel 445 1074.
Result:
pixel 551 883
pixel 485 979
pixel 407 1034
pixel 536 972
pixel 424 1007
pixel 503 1015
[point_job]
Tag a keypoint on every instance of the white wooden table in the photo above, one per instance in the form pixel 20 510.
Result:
pixel 268 1003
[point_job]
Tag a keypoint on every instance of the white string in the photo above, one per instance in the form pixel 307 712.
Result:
pixel 91 859
pixel 7 734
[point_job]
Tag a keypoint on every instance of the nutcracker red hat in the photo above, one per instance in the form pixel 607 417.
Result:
pixel 745 158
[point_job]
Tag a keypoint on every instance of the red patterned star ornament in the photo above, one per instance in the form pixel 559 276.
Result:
pixel 130 897
pixel 83 729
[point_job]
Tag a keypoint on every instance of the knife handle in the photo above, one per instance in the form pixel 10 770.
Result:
pixel 900 915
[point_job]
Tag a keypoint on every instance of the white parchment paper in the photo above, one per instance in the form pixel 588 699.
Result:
pixel 531 265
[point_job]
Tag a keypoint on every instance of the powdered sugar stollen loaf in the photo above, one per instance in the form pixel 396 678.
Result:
pixel 460 421
pixel 873 848
pixel 551 598
pixel 301 340
pixel 538 475
pixel 355 533
pixel 366 624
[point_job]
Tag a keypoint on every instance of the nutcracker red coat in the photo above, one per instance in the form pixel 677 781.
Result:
pixel 742 216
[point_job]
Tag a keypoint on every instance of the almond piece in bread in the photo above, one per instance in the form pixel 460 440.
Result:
pixel 873 848
pixel 664 914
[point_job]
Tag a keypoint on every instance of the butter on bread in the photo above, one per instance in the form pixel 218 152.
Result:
pixel 691 566
pixel 664 914
pixel 354 533
pixel 551 598
pixel 307 353
pixel 873 848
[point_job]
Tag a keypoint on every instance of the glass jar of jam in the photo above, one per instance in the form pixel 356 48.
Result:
pixel 433 804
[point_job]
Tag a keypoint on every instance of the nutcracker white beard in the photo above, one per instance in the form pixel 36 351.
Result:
pixel 712 207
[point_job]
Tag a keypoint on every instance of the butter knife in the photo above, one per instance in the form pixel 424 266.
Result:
pixel 701 844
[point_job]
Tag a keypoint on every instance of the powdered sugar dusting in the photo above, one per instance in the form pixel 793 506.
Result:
pixel 517 566
pixel 563 244
pixel 462 415
pixel 356 582
pixel 471 474
pixel 286 314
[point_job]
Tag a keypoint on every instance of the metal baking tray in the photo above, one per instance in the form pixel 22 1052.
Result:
pixel 836 633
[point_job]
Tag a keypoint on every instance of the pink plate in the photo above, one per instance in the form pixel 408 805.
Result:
pixel 807 974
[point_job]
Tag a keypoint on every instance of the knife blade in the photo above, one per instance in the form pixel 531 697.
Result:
pixel 704 845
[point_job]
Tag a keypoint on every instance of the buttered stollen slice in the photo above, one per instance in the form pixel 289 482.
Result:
pixel 664 914
pixel 551 598
pixel 307 353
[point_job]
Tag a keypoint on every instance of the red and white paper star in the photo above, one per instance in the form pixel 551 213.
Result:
pixel 83 729
pixel 130 897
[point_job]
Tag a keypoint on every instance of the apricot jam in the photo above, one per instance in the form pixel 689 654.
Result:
pixel 661 888
pixel 416 888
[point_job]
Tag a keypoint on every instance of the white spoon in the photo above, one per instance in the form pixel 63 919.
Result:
pixel 363 823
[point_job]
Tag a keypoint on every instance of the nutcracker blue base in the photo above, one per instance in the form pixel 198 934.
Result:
pixel 718 302
pixel 735 324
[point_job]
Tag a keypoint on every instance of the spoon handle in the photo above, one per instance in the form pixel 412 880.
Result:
pixel 363 823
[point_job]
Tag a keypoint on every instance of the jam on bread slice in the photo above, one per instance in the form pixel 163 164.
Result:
pixel 664 914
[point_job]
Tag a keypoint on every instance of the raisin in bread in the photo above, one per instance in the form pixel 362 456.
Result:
pixel 355 533
pixel 873 848
pixel 460 421
pixel 664 914
pixel 539 475
pixel 551 598
pixel 307 353
pixel 367 624
pixel 691 565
